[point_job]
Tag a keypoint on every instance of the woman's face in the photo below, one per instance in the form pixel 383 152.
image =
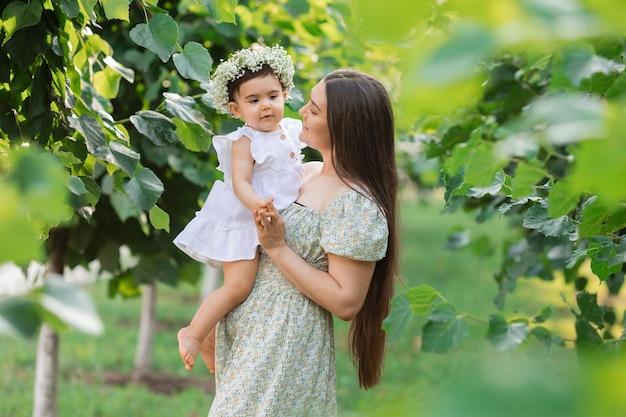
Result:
pixel 315 131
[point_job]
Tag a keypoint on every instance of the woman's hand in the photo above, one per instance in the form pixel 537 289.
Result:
pixel 270 226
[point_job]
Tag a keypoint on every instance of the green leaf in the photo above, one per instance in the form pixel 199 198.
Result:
pixel 537 218
pixel 602 250
pixel 18 317
pixel 159 35
pixel 91 131
pixel 562 199
pixel 194 63
pixel 600 162
pixel 565 118
pixel 587 338
pixel 581 63
pixel 84 192
pixel 457 160
pixel 397 320
pixel 379 22
pixel 444 330
pixel 221 10
pixel 153 268
pixel 25 243
pixel 155 126
pixel 193 136
pixel 70 304
pixel 458 58
pixel 527 175
pixel 421 298
pixel 483 165
pixel 107 82
pixel 185 109
pixel 120 155
pixel 124 206
pixel 144 189
pixel 116 9
pixel 159 219
pixel 589 308
pixel 504 336
pixel 71 8
pixel 18 15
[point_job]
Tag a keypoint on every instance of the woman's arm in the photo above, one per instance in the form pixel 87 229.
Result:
pixel 341 290
pixel 242 164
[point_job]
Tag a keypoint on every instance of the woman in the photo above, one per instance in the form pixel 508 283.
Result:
pixel 334 251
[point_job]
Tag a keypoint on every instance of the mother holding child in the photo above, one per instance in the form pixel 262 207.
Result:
pixel 333 251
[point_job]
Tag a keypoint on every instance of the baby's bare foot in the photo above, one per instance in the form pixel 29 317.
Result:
pixel 207 350
pixel 187 347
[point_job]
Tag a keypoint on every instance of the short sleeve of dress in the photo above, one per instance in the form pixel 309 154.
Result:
pixel 294 127
pixel 353 226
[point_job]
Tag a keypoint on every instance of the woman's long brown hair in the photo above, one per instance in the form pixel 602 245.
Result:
pixel 361 125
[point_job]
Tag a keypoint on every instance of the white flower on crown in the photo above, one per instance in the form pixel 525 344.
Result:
pixel 250 59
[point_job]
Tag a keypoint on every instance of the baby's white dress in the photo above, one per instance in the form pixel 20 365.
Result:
pixel 223 229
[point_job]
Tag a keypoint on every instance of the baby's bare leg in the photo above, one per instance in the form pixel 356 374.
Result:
pixel 238 281
pixel 207 350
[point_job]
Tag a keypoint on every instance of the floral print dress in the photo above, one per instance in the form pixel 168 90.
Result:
pixel 275 352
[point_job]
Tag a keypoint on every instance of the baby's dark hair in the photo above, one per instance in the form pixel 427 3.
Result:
pixel 233 86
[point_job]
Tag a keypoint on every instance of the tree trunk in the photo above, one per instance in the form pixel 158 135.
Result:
pixel 143 355
pixel 47 366
pixel 46 374
pixel 210 281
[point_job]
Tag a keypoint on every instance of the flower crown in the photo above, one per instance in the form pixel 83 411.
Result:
pixel 249 59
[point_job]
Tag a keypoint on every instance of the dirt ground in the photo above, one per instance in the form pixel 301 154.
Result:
pixel 163 383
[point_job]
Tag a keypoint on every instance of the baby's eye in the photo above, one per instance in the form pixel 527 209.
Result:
pixel 254 100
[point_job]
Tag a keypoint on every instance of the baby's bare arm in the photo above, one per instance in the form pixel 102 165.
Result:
pixel 243 163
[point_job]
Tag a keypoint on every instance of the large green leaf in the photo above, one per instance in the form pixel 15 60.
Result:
pixel 159 219
pixel 193 136
pixel 159 35
pixel 144 189
pixel 602 250
pixel 155 126
pixel 562 199
pixel 458 58
pixel 444 330
pixel 18 317
pixel 119 155
pixel 483 164
pixel 221 10
pixel 116 9
pixel 185 109
pixel 90 129
pixel 421 298
pixel 400 315
pixel 70 304
pixel 527 176
pixel 194 63
pixel 505 336
pixel 379 22
pixel 153 268
pixel 537 218
pixel 580 63
pixel 18 15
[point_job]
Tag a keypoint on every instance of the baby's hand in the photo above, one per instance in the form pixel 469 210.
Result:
pixel 262 204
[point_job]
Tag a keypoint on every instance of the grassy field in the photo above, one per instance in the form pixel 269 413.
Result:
pixel 414 383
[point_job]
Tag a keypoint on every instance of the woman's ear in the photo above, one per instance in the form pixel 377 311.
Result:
pixel 234 109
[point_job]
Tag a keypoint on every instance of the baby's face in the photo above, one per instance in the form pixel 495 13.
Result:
pixel 260 103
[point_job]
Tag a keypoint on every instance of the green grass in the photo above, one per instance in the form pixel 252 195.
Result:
pixel 412 381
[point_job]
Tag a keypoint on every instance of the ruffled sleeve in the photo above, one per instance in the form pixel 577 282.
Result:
pixel 224 143
pixel 353 226
pixel 294 128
